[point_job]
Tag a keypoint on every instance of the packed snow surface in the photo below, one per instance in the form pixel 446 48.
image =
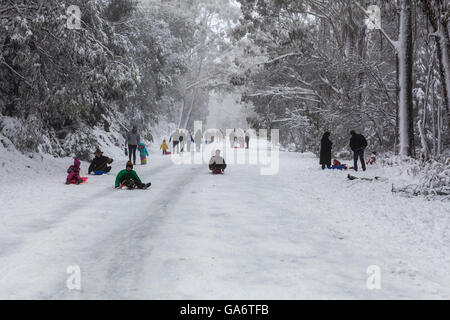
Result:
pixel 302 233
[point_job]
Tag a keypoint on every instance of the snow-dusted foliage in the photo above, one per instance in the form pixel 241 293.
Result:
pixel 320 68
pixel 57 84
pixel 427 178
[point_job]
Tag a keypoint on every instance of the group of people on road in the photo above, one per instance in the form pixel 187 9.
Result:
pixel 182 140
pixel 128 177
pixel 100 164
pixel 358 145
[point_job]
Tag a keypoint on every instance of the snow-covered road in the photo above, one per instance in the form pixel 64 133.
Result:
pixel 303 233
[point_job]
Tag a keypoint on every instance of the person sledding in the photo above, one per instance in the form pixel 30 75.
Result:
pixel 100 163
pixel 73 176
pixel 164 147
pixel 217 164
pixel 143 153
pixel 337 165
pixel 129 178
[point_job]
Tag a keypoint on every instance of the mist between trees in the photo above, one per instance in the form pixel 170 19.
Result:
pixel 301 66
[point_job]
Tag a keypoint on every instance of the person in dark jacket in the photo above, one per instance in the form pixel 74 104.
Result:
pixel 133 140
pixel 325 150
pixel 100 163
pixel 358 144
pixel 247 140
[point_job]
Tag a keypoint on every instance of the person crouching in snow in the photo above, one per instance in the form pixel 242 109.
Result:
pixel 164 147
pixel 74 173
pixel 217 163
pixel 373 158
pixel 130 179
pixel 143 153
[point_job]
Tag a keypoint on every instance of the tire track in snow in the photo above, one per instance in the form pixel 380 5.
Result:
pixel 116 266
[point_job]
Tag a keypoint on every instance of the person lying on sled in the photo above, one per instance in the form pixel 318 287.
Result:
pixel 217 163
pixel 129 178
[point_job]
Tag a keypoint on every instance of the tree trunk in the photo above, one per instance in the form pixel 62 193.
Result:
pixel 406 122
pixel 443 53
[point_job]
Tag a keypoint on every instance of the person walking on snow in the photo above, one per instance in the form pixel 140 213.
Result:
pixel 100 163
pixel 143 153
pixel 175 138
pixel 182 139
pixel 74 173
pixel 358 144
pixel 133 140
pixel 164 147
pixel 198 140
pixel 130 179
pixel 325 150
pixel 217 163
pixel 247 140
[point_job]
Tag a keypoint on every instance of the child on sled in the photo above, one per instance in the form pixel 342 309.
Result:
pixel 73 176
pixel 338 166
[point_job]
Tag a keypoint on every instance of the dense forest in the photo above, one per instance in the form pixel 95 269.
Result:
pixel 127 63
pixel 303 66
pixel 327 70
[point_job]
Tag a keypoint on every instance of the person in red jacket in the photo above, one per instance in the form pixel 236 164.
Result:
pixel 74 173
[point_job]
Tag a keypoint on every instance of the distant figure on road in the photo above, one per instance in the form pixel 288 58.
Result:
pixel 182 139
pixel 133 140
pixel 325 150
pixel 175 138
pixel 198 140
pixel 358 144
pixel 247 139
pixel 164 147
pixel 217 163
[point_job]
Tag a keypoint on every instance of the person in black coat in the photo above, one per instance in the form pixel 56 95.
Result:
pixel 100 163
pixel 358 144
pixel 325 150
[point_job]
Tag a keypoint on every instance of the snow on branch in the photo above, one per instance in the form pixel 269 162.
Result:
pixel 287 92
pixel 395 44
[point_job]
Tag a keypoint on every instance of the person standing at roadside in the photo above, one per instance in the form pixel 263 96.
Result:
pixel 133 140
pixel 358 144
pixel 325 150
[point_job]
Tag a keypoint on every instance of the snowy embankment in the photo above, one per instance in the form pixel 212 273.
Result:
pixel 302 233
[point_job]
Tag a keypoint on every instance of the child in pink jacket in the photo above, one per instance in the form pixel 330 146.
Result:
pixel 74 173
